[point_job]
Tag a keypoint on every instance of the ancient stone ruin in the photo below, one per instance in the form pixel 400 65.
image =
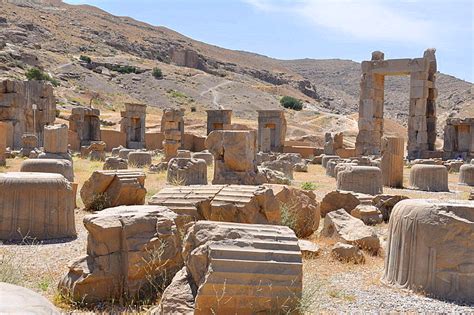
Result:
pixel 131 250
pixel 333 142
pixel 361 179
pixel 459 138
pixel 16 109
pixel 3 143
pixel 85 124
pixel 172 127
pixel 234 157
pixel 57 166
pixel 187 171
pixel 36 205
pixel 55 140
pixel 430 248
pixel 422 111
pixel 271 130
pixel 217 119
pixel 239 264
pixel 133 125
pixel 429 177
pixel 392 161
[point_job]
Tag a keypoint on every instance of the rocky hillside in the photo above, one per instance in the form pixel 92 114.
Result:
pixel 53 35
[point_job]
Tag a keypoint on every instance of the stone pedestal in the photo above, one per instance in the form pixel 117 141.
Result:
pixel 392 161
pixel 55 139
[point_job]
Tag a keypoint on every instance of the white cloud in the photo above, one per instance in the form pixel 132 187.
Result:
pixel 362 19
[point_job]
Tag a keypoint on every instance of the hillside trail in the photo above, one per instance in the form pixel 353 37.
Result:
pixel 216 94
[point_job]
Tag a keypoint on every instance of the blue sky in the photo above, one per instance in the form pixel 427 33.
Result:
pixel 319 29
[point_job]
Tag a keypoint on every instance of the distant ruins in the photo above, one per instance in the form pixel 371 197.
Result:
pixel 271 130
pixel 133 125
pixel 459 138
pixel 217 119
pixel 17 100
pixel 85 123
pixel 422 112
pixel 172 127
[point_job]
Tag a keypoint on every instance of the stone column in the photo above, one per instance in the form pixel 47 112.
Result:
pixel 3 143
pixel 392 161
pixel 55 139
pixel 172 126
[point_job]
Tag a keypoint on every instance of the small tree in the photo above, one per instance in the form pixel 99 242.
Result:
pixel 157 73
pixel 85 58
pixel 38 75
pixel 291 103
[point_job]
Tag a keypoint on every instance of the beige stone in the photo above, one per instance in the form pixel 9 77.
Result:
pixel 139 159
pixel 369 214
pixel 393 152
pixel 29 143
pixel 385 204
pixel 254 268
pixel 123 153
pixel 36 205
pixel 346 200
pixel 344 227
pixel 187 171
pixel 204 155
pixel 299 209
pixel 466 174
pixel 133 125
pixel 122 187
pixel 3 143
pixel 131 252
pixel 429 177
pixel 172 127
pixel 326 158
pixel 85 123
pixel 57 166
pixel 19 300
pixel 361 179
pixel 95 151
pixel 115 163
pixel 347 253
pixel 271 130
pixel 430 247
pixel 55 139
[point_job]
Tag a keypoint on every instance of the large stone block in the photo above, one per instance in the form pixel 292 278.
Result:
pixel 466 174
pixel 393 152
pixel 36 205
pixel 57 166
pixel 361 179
pixel 131 252
pixel 19 300
pixel 187 171
pixel 254 268
pixel 139 159
pixel 429 177
pixel 430 248
pixel 118 188
pixel 346 200
pixel 55 139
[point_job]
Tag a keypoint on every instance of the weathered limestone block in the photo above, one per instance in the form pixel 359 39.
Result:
pixel 234 157
pixel 429 177
pixel 115 151
pixel 301 167
pixel 55 139
pixel 453 166
pixel 362 179
pixel 342 226
pixel 369 214
pixel 274 177
pixel 466 174
pixel 309 250
pixel 299 209
pixel 184 154
pixel 122 187
pixel 280 165
pixel 139 159
pixel 95 151
pixel 430 248
pixel 326 158
pixel 332 164
pixel 254 268
pixel 339 167
pixel 131 250
pixel 347 253
pixel 57 166
pixel 36 205
pixel 385 204
pixel 204 155
pixel 19 300
pixel 115 163
pixel 230 203
pixel 29 142
pixel 187 171
pixel 392 161
pixel 123 153
pixel 346 200
pixel 3 143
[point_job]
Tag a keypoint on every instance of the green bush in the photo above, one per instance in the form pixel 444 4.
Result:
pixel 85 58
pixel 124 69
pixel 157 73
pixel 291 103
pixel 308 186
pixel 39 75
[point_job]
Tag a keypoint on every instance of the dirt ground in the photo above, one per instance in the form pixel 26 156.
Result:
pixel 329 285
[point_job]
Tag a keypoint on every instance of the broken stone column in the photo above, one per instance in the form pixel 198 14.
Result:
pixel 16 109
pixel 29 143
pixel 361 179
pixel 238 264
pixel 139 159
pixel 271 130
pixel 57 166
pixel 133 125
pixel 172 127
pixel 3 143
pixel 36 205
pixel 187 171
pixel 55 139
pixel 429 177
pixel 430 247
pixel 217 119
pixel 132 251
pixel 333 142
pixel 234 157
pixel 393 152
pixel 85 123
pixel 466 174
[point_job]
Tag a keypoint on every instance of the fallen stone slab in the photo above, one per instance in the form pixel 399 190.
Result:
pixel 19 300
pixel 369 214
pixel 309 249
pixel 131 251
pixel 344 227
pixel 347 253
pixel 56 166
pixel 254 268
pixel 386 202
pixel 346 200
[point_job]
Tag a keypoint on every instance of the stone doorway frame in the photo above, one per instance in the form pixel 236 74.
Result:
pixel 422 110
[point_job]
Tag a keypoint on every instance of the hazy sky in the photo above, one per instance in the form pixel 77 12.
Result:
pixel 320 29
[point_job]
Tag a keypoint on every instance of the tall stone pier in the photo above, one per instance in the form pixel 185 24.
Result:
pixel 133 125
pixel 217 119
pixel 85 122
pixel 172 127
pixel 271 130
pixel 422 107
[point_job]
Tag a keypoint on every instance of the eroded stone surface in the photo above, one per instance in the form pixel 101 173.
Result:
pixel 57 166
pixel 429 177
pixel 19 300
pixel 187 171
pixel 346 200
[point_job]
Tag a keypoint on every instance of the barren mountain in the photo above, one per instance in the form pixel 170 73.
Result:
pixel 53 35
